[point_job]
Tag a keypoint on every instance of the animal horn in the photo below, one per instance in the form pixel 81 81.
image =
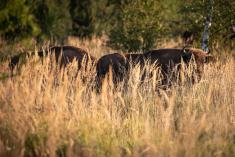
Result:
pixel 186 54
pixel 184 49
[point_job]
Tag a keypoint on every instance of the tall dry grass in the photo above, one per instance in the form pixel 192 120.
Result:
pixel 45 111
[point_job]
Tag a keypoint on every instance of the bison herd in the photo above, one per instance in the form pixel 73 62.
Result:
pixel 119 64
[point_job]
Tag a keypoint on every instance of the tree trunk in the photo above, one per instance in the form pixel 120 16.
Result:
pixel 205 36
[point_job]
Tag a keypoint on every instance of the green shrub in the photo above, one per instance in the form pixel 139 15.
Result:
pixel 16 20
pixel 137 26
pixel 24 19
pixel 194 14
pixel 53 18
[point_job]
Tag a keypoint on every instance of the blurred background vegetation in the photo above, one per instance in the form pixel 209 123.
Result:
pixel 129 25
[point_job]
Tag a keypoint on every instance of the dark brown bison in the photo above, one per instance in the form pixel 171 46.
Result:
pixel 114 63
pixel 169 60
pixel 135 58
pixel 63 55
pixel 166 59
pixel 118 65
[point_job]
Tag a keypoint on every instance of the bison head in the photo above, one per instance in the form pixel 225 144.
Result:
pixel 199 56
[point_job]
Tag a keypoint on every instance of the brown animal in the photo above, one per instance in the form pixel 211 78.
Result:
pixel 63 54
pixel 166 59
pixel 169 59
pixel 135 58
pixel 115 63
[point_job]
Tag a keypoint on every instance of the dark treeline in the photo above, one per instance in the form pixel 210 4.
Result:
pixel 57 19
pixel 130 25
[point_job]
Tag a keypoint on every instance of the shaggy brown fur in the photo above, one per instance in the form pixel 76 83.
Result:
pixel 115 63
pixel 63 54
pixel 166 59
pixel 119 64
pixel 169 59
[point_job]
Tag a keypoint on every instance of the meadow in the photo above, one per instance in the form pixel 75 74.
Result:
pixel 46 111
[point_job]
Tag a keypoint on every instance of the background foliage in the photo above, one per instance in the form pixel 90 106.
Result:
pixel 194 14
pixel 137 26
pixel 17 20
pixel 130 25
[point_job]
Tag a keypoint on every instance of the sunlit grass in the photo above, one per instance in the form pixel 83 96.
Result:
pixel 46 111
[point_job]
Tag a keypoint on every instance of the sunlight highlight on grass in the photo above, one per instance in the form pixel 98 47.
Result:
pixel 46 111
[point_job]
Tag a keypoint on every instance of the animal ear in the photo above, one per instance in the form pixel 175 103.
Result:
pixel 185 50
pixel 186 55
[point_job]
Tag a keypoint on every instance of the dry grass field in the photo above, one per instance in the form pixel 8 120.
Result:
pixel 45 111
